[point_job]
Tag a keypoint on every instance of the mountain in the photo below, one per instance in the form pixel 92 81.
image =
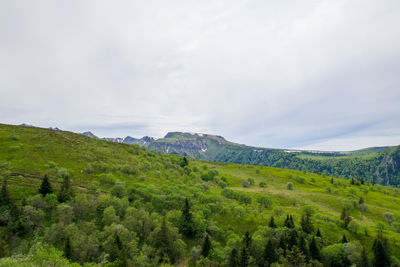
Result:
pixel 89 134
pixel 378 164
pixel 115 204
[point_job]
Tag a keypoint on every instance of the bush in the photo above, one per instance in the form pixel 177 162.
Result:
pixel 265 201
pixel 245 183
pixel 300 180
pixel 251 181
pixel 289 186
pixel 107 179
pixel 262 184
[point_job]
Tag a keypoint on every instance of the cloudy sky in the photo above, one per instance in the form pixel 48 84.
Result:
pixel 286 74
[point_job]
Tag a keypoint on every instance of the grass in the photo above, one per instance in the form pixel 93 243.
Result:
pixel 26 153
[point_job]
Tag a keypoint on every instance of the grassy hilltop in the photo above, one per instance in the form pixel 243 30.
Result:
pixel 125 206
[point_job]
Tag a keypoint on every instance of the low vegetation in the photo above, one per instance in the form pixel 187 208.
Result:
pixel 69 200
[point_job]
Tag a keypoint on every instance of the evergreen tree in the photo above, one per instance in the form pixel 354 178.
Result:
pixel 289 222
pixel 304 248
pixel 272 222
pixel 45 187
pixel 233 260
pixel 184 162
pixel 205 250
pixel 306 224
pixel 381 255
pixel 282 245
pixel 68 249
pixel 344 239
pixel 118 242
pixel 269 254
pixel 361 200
pixel 187 225
pixel 295 258
pixel 319 233
pixel 292 239
pixel 65 193
pixel 314 249
pixel 5 195
pixel 245 256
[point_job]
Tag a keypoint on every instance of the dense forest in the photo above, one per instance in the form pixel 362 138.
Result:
pixel 68 200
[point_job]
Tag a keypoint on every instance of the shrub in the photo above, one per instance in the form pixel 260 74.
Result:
pixel 245 183
pixel 289 186
pixel 265 201
pixel 107 179
pixel 300 180
pixel 251 181
pixel 262 184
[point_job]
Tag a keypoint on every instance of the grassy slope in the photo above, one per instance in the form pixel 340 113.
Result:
pixel 29 152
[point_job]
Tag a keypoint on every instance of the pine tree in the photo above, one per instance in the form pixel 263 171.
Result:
pixel 68 249
pixel 233 260
pixel 45 187
pixel 289 222
pixel 272 222
pixel 244 257
pixel 381 255
pixel 306 224
pixel 184 162
pixel 304 248
pixel 187 224
pixel 282 245
pixel 118 242
pixel 65 191
pixel 269 254
pixel 5 195
pixel 361 201
pixel 314 250
pixel 295 258
pixel 293 239
pixel 205 250
pixel 319 233
pixel 344 239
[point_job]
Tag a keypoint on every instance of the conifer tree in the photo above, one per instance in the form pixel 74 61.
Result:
pixel 293 239
pixel 306 224
pixel 314 249
pixel 184 162
pixel 45 187
pixel 118 242
pixel 344 239
pixel 233 260
pixel 5 195
pixel 269 254
pixel 361 200
pixel 304 248
pixel 65 191
pixel 68 249
pixel 205 250
pixel 272 222
pixel 319 233
pixel 381 255
pixel 187 225
pixel 282 245
pixel 244 255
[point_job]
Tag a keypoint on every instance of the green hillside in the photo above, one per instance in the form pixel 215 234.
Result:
pixel 377 165
pixel 124 205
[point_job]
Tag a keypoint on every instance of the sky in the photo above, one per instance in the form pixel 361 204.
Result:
pixel 313 74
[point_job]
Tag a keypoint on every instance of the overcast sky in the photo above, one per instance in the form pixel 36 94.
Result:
pixel 283 74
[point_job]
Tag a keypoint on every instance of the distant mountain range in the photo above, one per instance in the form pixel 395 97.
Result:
pixel 377 164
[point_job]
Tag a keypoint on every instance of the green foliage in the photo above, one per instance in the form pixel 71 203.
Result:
pixel 205 249
pixel 45 187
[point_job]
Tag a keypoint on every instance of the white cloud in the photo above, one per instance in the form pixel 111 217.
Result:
pixel 275 74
